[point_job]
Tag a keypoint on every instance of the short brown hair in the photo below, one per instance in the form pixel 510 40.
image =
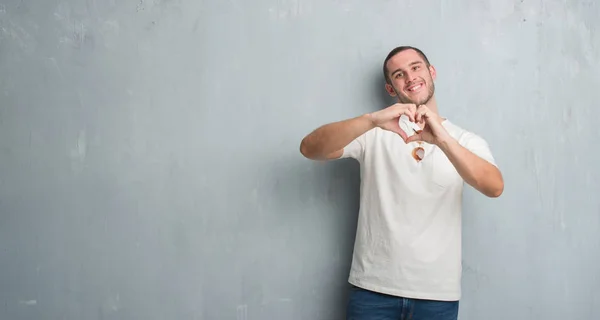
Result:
pixel 396 51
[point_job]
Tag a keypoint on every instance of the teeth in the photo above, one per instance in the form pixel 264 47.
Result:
pixel 415 88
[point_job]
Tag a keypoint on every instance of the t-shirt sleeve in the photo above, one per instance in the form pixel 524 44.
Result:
pixel 478 146
pixel 355 149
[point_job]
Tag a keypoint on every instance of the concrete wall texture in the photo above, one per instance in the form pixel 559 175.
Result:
pixel 149 164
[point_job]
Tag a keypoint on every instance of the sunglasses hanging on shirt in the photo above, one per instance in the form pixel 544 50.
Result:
pixel 418 153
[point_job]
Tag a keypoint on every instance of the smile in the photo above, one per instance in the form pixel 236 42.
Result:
pixel 415 88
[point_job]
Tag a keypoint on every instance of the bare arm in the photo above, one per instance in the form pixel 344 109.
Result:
pixel 477 172
pixel 328 141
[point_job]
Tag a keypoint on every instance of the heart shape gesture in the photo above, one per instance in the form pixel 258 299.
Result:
pixel 411 128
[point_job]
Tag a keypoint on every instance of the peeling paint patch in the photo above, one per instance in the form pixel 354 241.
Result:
pixel 28 302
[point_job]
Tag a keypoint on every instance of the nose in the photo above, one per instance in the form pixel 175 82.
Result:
pixel 410 77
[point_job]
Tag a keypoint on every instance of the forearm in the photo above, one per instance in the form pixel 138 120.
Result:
pixel 477 172
pixel 334 136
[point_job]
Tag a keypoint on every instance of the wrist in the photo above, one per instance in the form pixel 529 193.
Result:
pixel 446 143
pixel 368 118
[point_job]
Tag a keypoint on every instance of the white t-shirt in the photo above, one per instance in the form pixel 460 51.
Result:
pixel 408 239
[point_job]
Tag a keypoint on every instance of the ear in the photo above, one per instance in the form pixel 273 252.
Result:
pixel 432 72
pixel 390 90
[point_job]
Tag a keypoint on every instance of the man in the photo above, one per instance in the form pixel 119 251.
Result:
pixel 407 255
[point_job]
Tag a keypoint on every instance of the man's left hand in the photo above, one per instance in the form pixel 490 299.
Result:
pixel 433 132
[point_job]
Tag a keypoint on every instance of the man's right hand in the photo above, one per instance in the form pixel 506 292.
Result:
pixel 328 141
pixel 389 117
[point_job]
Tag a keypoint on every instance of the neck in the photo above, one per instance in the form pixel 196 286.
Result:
pixel 432 105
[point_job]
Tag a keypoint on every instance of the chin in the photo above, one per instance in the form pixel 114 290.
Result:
pixel 417 101
pixel 422 100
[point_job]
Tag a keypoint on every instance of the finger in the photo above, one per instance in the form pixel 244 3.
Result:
pixel 413 110
pixel 396 128
pixel 426 114
pixel 408 110
pixel 420 115
pixel 414 137
pixel 410 115
pixel 402 134
pixel 430 120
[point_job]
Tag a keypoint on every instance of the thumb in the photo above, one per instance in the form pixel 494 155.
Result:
pixel 414 137
pixel 398 130
pixel 402 134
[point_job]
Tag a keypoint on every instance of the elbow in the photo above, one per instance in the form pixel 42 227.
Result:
pixel 311 151
pixel 497 189
pixel 491 184
pixel 496 192
pixel 305 149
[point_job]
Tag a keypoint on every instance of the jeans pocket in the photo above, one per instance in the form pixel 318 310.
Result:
pixel 368 298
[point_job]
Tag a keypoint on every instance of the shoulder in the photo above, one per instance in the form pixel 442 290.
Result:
pixel 375 134
pixel 463 136
pixel 471 141
pixel 368 142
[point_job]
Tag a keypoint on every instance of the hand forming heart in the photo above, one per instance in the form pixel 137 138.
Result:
pixel 389 119
pixel 433 132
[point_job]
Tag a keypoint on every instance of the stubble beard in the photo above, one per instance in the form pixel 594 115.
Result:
pixel 404 99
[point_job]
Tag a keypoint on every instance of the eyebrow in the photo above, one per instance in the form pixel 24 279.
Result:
pixel 410 64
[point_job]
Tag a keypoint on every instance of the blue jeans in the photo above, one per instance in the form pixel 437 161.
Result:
pixel 368 305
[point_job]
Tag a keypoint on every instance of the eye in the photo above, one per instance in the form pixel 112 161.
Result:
pixel 416 68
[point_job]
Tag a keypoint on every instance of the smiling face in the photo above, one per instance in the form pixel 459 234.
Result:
pixel 410 77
